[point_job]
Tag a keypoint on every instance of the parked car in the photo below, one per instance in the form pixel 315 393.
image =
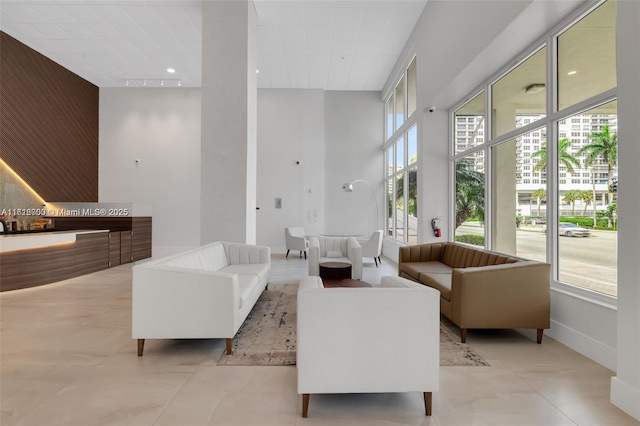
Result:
pixel 569 229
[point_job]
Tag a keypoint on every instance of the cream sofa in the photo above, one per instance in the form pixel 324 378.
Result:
pixel 368 340
pixel 480 288
pixel 335 249
pixel 206 292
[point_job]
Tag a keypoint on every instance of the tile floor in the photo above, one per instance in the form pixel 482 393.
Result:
pixel 67 358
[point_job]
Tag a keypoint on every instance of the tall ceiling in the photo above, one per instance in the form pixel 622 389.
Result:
pixel 331 45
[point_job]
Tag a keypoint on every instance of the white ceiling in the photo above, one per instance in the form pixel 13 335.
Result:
pixel 332 45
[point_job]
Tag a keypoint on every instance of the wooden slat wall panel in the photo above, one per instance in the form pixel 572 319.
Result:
pixel 141 243
pixel 92 253
pixel 113 224
pixel 133 247
pixel 34 267
pixel 49 121
pixel 125 247
pixel 114 249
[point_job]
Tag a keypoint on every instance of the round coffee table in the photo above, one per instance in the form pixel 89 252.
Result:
pixel 335 270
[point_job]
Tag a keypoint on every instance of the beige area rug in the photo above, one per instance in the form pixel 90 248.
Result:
pixel 268 335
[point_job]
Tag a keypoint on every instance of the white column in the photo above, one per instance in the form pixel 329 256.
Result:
pixel 229 110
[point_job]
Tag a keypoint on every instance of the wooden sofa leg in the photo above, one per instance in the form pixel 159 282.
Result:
pixel 305 255
pixel 305 405
pixel 229 341
pixel 539 337
pixel 463 335
pixel 428 396
pixel 140 346
pixel 287 255
pixel 375 260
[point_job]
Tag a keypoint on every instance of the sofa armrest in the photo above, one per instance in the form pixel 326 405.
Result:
pixel 170 302
pixel 514 295
pixel 314 256
pixel 354 254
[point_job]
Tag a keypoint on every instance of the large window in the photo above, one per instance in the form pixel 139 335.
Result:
pixel 469 199
pixel 401 158
pixel 469 124
pixel 548 187
pixel 587 243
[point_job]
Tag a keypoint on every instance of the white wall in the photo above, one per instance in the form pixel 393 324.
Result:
pixel 353 150
pixel 290 130
pixel 161 128
pixel 337 138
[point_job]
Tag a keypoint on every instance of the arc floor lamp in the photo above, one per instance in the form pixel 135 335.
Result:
pixel 348 187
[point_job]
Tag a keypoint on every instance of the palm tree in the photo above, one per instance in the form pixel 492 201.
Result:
pixel 571 197
pixel 565 156
pixel 469 191
pixel 603 145
pixel 539 194
pixel 586 196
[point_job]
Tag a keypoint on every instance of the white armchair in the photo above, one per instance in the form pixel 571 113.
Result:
pixel 341 352
pixel 295 240
pixel 373 246
pixel 335 249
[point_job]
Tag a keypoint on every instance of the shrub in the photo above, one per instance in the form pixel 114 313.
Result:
pixel 476 240
pixel 585 222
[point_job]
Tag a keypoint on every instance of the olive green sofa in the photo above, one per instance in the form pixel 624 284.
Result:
pixel 480 288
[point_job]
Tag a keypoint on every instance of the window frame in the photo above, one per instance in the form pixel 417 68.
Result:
pixel 550 123
pixel 390 138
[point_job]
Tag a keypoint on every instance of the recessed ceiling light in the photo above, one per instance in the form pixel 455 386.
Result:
pixel 572 72
pixel 257 71
pixel 171 70
pixel 534 88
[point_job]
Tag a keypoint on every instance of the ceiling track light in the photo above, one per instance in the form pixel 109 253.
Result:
pixel 153 82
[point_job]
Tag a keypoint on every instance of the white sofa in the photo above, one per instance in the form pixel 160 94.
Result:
pixel 335 249
pixel 206 292
pixel 368 340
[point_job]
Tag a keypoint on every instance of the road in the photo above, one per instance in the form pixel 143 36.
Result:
pixel 589 262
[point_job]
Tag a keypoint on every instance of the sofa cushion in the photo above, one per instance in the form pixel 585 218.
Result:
pixel 414 269
pixel 260 270
pixel 439 281
pixel 246 285
pixel 334 253
pixel 211 257
pixel 335 259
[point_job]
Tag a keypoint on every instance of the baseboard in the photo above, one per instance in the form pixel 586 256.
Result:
pixel 625 397
pixel 597 351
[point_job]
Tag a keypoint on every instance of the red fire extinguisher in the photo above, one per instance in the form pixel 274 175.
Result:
pixel 435 224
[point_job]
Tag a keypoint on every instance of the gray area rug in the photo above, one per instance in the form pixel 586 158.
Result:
pixel 268 335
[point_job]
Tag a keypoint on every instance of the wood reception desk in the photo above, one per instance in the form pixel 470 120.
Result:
pixel 80 245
